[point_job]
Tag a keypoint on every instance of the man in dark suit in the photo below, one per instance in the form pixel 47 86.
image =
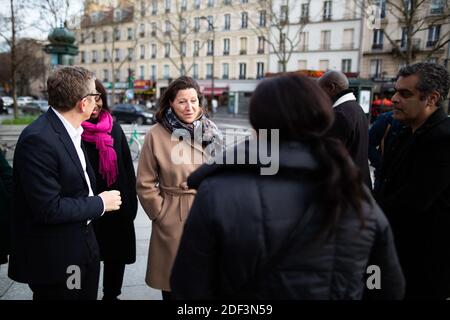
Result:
pixel 350 124
pixel 53 246
pixel 414 187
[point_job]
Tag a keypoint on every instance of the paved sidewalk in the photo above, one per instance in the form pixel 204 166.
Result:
pixel 134 287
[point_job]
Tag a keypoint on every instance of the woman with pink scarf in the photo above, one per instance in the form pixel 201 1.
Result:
pixel 107 150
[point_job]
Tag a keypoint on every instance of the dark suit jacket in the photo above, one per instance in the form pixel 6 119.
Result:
pixel 50 205
pixel 352 128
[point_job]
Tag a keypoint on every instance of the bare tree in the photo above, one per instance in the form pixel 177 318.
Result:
pixel 52 13
pixel 273 21
pixel 177 30
pixel 414 17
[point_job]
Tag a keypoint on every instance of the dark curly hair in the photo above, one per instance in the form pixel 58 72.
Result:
pixel 432 76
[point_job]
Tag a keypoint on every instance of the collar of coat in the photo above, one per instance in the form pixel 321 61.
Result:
pixel 434 119
pixel 292 156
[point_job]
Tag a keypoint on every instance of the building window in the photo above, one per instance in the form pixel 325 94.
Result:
pixel 167 6
pixel 94 56
pixel 304 13
pixel 130 54
pixel 304 38
pixel 350 9
pixel 260 70
pixel 210 51
pixel 244 20
pixel 282 47
pixel 284 14
pixel 154 48
pixel 210 23
pixel 378 35
pixel 227 21
pixel 142 56
pixel 117 75
pixel 93 37
pixel 261 42
pixel 209 71
pixel 183 5
pixel 404 39
pixel 243 46
pixel 83 56
pixel 325 40
pixel 210 3
pixel 183 49
pixel 381 4
pixel 196 48
pixel 142 8
pixel 324 64
pixel 105 36
pixel 433 35
pixel 117 55
pixel 196 4
pixel 262 18
pixel 129 33
pixel 153 73
pixel 153 33
pixel 196 24
pixel 347 40
pixel 142 30
pixel 168 27
pixel 141 72
pixel 302 65
pixel 346 65
pixel 375 68
pixel 167 50
pixel 195 71
pixel 242 70
pixel 225 71
pixel 105 75
pixel 82 38
pixel 226 47
pixel 105 55
pixel 117 34
pixel 154 7
pixel 227 2
pixel 166 72
pixel 437 7
pixel 327 10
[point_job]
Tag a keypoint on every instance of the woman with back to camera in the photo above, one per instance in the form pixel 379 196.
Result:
pixel 108 152
pixel 164 167
pixel 307 232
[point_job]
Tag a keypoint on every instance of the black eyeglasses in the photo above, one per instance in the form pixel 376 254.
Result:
pixel 95 95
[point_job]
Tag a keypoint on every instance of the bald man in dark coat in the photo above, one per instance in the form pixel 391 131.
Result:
pixel 350 125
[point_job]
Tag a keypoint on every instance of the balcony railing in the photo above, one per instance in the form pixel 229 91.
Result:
pixel 348 46
pixel 226 53
pixel 243 52
pixel 377 46
pixel 325 46
pixel 260 51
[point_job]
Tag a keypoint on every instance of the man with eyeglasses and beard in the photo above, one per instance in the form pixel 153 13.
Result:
pixel 53 246
pixel 415 180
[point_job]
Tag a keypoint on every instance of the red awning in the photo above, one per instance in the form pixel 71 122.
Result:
pixel 207 91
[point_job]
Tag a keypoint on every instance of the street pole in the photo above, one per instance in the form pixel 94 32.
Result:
pixel 211 25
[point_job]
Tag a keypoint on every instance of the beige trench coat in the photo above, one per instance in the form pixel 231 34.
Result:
pixel 163 193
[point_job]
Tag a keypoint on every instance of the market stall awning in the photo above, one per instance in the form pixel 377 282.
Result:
pixel 207 91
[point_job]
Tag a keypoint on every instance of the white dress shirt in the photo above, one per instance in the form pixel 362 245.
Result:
pixel 75 136
pixel 346 97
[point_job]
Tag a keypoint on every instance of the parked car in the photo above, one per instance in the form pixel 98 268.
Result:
pixel 131 113
pixel 22 101
pixel 3 108
pixel 7 101
pixel 35 107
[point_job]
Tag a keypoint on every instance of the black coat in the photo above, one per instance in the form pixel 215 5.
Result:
pixel 5 200
pixel 51 206
pixel 415 195
pixel 352 128
pixel 240 218
pixel 115 230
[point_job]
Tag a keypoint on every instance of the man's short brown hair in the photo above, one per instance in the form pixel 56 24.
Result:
pixel 67 85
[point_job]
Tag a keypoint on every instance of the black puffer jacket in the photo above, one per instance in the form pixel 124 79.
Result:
pixel 240 218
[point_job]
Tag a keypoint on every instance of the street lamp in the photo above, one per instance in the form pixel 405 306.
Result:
pixel 211 26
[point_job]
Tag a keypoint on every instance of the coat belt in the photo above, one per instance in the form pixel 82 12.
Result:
pixel 183 193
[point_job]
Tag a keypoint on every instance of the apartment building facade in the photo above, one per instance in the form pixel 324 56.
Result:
pixel 321 35
pixel 385 48
pixel 158 40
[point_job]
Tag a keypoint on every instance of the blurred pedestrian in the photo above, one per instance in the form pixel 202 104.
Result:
pixel 5 200
pixel 415 180
pixel 350 123
pixel 53 245
pixel 307 232
pixel 108 152
pixel 161 179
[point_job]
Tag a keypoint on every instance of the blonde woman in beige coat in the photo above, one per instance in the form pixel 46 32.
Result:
pixel 175 147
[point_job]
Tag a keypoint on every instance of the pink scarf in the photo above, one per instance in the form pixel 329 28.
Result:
pixel 99 134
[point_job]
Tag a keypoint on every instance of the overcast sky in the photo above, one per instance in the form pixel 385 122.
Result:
pixel 32 17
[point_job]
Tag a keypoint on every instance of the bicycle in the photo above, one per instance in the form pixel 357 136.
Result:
pixel 135 143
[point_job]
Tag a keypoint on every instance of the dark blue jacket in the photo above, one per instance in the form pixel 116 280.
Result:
pixel 50 205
